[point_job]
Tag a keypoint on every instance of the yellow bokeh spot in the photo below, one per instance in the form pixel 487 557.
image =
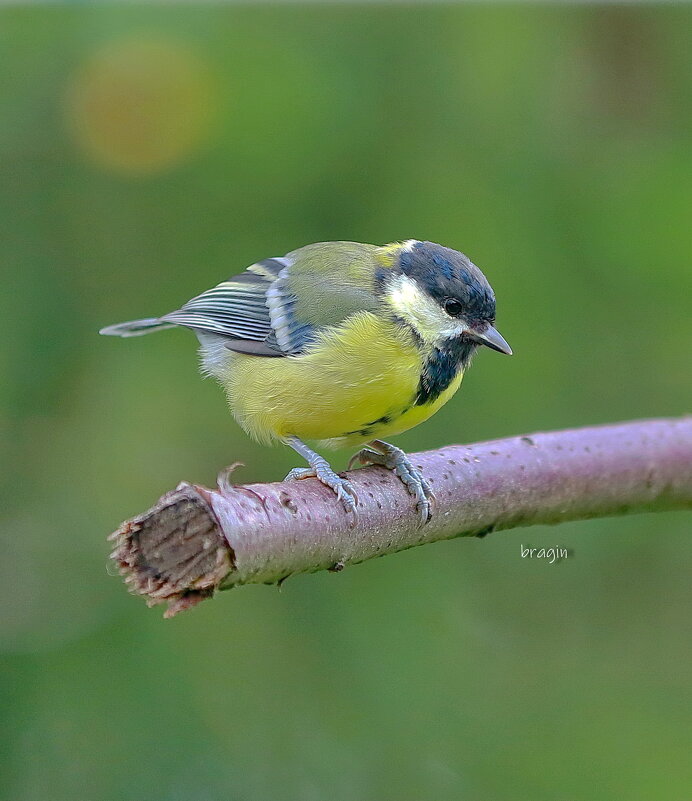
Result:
pixel 141 105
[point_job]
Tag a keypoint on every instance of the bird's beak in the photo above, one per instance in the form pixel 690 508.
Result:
pixel 493 339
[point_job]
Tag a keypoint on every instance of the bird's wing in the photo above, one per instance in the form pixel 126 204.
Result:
pixel 236 308
pixel 277 306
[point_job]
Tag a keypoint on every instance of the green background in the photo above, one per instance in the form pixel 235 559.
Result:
pixel 552 144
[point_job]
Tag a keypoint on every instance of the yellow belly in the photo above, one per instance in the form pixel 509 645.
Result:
pixel 357 383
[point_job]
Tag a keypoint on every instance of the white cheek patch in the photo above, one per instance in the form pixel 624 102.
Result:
pixel 419 310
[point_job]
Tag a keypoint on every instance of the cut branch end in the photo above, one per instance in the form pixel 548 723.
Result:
pixel 175 552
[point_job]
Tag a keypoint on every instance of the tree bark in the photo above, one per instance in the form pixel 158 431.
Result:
pixel 196 540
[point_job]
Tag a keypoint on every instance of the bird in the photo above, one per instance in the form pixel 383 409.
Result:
pixel 344 344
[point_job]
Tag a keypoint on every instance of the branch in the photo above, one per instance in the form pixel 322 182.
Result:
pixel 196 540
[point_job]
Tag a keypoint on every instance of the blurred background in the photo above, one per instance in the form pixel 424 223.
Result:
pixel 149 152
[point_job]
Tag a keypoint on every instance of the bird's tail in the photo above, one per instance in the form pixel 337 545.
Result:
pixel 136 328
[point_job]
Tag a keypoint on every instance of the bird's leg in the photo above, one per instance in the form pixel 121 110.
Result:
pixel 320 468
pixel 393 458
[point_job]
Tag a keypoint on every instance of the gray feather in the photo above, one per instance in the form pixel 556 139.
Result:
pixel 135 328
pixel 236 308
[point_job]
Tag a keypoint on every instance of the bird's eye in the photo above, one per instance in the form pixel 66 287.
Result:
pixel 453 307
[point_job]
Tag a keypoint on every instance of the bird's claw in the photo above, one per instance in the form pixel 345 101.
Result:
pixel 343 488
pixel 395 459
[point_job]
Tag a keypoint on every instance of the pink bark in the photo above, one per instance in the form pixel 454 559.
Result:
pixel 196 540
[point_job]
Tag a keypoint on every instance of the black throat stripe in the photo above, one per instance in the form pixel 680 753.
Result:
pixel 441 368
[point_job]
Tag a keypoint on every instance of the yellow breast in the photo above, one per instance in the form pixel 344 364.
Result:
pixel 356 383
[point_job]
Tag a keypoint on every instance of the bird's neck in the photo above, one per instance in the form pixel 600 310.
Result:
pixel 441 366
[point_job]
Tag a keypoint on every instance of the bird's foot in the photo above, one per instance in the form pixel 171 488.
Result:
pixel 393 458
pixel 321 470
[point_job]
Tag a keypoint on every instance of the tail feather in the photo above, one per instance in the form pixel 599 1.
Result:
pixel 135 328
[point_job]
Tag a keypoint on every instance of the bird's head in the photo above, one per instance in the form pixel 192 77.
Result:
pixel 440 294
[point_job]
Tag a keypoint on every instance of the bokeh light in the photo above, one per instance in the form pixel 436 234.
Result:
pixel 141 104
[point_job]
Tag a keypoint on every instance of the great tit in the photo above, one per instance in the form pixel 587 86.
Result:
pixel 342 343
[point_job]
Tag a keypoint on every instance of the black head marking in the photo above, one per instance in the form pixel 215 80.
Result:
pixel 446 274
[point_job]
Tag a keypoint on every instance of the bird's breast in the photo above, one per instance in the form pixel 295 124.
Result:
pixel 357 382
